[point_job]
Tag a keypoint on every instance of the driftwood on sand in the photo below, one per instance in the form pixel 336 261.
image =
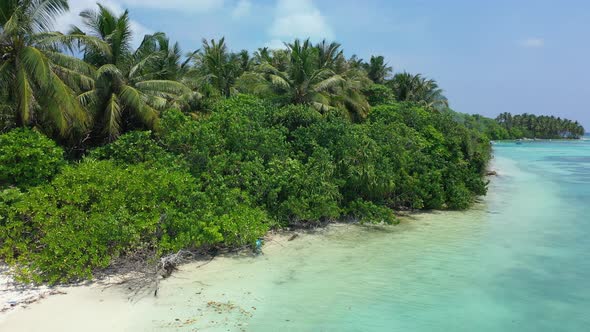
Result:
pixel 167 265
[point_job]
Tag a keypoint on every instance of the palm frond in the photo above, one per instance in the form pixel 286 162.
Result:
pixel 36 65
pixel 74 79
pixel 71 41
pixel 88 98
pixel 63 106
pixel 328 83
pixel 133 101
pixel 279 81
pixel 109 69
pixel 254 83
pixel 144 62
pixel 24 95
pixel 43 12
pixel 70 62
pixel 11 26
pixel 157 102
pixel 112 117
pixel 166 86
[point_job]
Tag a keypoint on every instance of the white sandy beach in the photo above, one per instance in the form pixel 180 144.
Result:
pixel 104 305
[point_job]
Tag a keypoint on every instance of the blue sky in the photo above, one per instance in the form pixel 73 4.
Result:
pixel 489 56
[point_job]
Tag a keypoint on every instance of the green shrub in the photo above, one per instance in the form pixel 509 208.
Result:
pixel 96 211
pixel 8 197
pixel 296 116
pixel 439 162
pixel 362 169
pixel 378 94
pixel 137 147
pixel 369 212
pixel 28 158
pixel 224 179
pixel 243 145
pixel 459 197
pixel 403 156
pixel 239 223
pixel 194 141
pixel 239 126
pixel 304 192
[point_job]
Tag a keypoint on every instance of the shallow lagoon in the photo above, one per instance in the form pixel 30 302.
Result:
pixel 517 261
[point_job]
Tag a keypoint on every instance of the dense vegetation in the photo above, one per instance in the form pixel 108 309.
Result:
pixel 227 178
pixel 141 152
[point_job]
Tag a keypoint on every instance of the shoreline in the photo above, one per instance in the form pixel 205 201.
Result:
pixel 212 292
pixel 16 296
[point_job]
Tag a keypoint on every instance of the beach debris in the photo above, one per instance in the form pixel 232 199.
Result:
pixel 29 297
pixel 293 237
pixel 168 264
pixel 228 315
pixel 258 246
pixel 179 323
pixel 491 173
pixel 228 307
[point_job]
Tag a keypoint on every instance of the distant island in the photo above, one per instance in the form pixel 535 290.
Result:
pixel 508 126
pixel 137 154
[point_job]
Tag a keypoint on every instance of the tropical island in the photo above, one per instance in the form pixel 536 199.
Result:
pixel 110 152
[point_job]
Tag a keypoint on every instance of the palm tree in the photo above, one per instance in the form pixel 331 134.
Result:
pixel 377 69
pixel 304 82
pixel 308 77
pixel 244 60
pixel 328 54
pixel 163 62
pixel 355 62
pixel 131 87
pixel 505 119
pixel 216 67
pixel 263 54
pixel 415 88
pixel 350 95
pixel 165 58
pixel 38 82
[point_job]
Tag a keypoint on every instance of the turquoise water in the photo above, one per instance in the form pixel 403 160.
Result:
pixel 516 262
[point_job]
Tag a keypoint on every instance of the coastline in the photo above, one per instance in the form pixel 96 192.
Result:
pixel 217 295
pixel 15 297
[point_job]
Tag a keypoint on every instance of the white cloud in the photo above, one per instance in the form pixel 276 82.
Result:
pixel 275 44
pixel 533 42
pixel 241 9
pixel 299 19
pixel 179 5
pixel 64 22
